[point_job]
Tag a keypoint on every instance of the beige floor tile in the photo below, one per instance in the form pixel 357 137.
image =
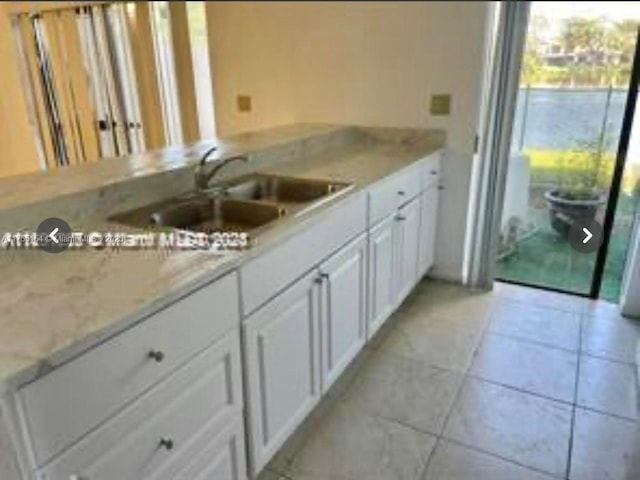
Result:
pixel 406 390
pixel 353 370
pixel 529 430
pixel 556 328
pixel 281 461
pixel 455 462
pixel 437 298
pixel 351 445
pixel 441 341
pixel 539 297
pixel 609 387
pixel 601 308
pixel 604 448
pixel 269 475
pixel 611 336
pixel 546 371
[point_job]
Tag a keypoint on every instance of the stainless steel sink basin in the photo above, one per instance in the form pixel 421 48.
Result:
pixel 202 213
pixel 244 204
pixel 281 189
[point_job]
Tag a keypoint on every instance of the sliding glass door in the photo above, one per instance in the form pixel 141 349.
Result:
pixel 565 178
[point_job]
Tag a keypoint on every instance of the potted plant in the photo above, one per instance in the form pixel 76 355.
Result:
pixel 578 194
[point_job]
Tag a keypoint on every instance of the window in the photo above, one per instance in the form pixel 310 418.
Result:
pixel 115 79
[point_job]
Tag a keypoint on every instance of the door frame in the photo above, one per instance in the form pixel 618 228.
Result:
pixel 491 180
pixel 618 172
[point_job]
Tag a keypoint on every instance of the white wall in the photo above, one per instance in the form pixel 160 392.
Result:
pixel 251 53
pixel 370 63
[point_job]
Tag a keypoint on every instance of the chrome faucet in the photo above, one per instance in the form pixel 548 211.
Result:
pixel 202 177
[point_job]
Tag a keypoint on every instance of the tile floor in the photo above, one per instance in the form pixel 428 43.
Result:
pixel 517 384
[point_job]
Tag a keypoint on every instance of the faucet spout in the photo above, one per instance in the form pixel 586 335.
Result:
pixel 202 177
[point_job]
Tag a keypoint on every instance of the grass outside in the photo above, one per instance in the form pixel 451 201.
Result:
pixel 547 168
pixel 544 258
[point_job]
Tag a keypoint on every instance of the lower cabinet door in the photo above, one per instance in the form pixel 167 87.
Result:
pixel 428 226
pixel 382 266
pixel 282 360
pixel 343 308
pixel 406 236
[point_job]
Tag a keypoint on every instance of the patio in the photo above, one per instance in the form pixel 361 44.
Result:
pixel 543 258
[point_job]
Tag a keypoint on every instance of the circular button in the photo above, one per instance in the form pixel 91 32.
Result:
pixel 54 235
pixel 585 235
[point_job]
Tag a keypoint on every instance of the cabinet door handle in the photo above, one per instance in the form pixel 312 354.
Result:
pixel 401 218
pixel 166 443
pixel 322 276
pixel 156 355
pixel 434 172
pixel 440 187
pixel 401 193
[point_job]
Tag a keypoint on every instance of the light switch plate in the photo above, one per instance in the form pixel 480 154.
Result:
pixel 440 104
pixel 244 103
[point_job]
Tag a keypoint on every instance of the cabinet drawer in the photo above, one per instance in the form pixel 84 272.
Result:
pixel 73 399
pixel 263 277
pixel 159 428
pixel 431 170
pixel 221 458
pixel 392 192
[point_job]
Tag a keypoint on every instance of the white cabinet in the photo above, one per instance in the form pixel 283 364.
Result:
pixel 428 224
pixel 406 248
pixel 299 343
pixel 382 265
pixel 393 263
pixel 217 454
pixel 343 281
pixel 265 275
pixel 388 195
pixel 282 366
pixel 61 407
pixel 163 429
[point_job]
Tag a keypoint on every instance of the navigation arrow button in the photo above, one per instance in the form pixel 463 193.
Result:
pixel 52 235
pixel 585 235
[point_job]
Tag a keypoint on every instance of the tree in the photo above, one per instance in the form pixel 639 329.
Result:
pixel 586 38
pixel 597 47
pixel 532 61
pixel 624 35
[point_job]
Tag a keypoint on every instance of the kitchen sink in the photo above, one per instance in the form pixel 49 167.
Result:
pixel 244 204
pixel 281 189
pixel 202 213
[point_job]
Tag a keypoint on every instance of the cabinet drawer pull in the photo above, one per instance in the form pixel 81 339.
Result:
pixel 434 172
pixel 440 187
pixel 401 193
pixel 166 443
pixel 401 218
pixel 156 355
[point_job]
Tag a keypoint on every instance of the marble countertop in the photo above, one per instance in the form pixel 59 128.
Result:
pixel 53 307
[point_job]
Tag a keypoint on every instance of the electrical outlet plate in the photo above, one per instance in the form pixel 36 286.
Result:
pixel 244 103
pixel 440 104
